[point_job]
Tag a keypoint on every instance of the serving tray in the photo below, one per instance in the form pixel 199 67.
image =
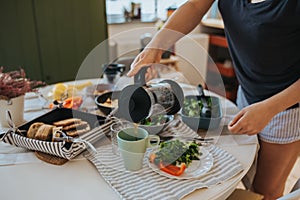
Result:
pixel 65 149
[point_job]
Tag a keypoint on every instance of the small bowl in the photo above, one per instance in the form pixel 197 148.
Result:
pixel 96 90
pixel 157 128
pixel 103 105
pixel 200 122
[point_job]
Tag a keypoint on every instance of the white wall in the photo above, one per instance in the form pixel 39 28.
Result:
pixel 192 51
pixel 127 36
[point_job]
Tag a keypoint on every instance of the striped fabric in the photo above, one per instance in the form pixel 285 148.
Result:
pixel 284 128
pixel 147 184
pixel 62 149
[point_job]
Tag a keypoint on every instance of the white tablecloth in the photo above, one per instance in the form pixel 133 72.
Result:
pixel 25 177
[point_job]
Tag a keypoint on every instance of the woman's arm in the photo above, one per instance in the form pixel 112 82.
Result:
pixel 181 22
pixel 284 99
pixel 252 119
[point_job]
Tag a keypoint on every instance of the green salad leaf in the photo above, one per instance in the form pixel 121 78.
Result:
pixel 176 152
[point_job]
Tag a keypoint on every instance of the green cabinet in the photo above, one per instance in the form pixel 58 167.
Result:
pixel 18 39
pixel 50 39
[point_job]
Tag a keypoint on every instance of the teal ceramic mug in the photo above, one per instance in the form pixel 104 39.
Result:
pixel 132 143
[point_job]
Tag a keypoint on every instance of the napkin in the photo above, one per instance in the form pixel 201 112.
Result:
pixel 147 184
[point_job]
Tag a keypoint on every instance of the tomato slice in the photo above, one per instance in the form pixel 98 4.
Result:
pixel 72 102
pixel 68 103
pixel 172 169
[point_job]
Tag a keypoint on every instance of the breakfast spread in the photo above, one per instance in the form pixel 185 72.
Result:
pixel 33 129
pixel 71 102
pixel 72 127
pixel 110 103
pixel 44 132
pixel 67 122
pixel 61 91
pixel 174 156
pixel 97 92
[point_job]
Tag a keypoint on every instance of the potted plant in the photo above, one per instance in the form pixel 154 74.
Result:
pixel 13 86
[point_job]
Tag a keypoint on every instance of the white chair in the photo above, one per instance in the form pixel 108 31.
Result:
pixel 294 194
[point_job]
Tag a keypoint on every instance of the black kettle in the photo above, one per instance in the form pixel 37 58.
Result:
pixel 137 101
pixel 112 72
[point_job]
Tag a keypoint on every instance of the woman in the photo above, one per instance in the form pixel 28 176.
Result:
pixel 263 38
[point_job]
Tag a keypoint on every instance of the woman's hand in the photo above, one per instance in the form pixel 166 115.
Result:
pixel 251 119
pixel 148 57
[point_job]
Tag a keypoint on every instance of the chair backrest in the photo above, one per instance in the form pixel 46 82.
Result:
pixel 246 194
pixel 295 195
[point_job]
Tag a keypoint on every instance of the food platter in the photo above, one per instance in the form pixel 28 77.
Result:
pixel 195 170
pixel 107 101
pixel 157 123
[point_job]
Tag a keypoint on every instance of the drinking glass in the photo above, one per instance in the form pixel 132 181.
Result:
pixel 116 127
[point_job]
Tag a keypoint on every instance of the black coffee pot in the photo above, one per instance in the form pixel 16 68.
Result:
pixel 113 71
pixel 137 101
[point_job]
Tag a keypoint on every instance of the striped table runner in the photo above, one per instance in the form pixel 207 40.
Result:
pixel 147 184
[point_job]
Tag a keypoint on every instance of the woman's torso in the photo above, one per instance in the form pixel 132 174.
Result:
pixel 264 42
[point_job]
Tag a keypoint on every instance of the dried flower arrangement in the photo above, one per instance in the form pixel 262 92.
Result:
pixel 14 84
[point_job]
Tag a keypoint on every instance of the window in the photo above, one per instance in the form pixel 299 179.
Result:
pixel 150 10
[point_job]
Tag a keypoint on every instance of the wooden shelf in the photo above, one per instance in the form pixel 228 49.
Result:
pixel 231 95
pixel 218 41
pixel 224 71
pixel 218 67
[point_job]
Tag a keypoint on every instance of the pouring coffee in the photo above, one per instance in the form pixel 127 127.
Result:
pixel 138 101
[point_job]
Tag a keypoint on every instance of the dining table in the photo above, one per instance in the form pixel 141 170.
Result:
pixel 24 176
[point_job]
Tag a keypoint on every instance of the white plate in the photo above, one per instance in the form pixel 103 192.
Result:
pixel 196 169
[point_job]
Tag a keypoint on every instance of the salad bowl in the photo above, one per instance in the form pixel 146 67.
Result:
pixel 192 115
pixel 155 124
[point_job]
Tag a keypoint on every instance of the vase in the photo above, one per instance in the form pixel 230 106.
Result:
pixel 16 109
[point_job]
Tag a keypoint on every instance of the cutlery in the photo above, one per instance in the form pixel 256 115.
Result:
pixel 36 109
pixel 165 138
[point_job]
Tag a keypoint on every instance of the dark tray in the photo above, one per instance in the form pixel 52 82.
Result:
pixel 65 113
